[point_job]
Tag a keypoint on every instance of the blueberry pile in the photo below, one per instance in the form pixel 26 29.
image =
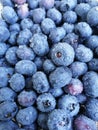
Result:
pixel 48 64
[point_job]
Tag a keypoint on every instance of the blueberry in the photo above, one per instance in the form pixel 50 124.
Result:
pixel 30 127
pixel 78 68
pixel 11 56
pixel 96 51
pixel 46 102
pixel 42 120
pixel 25 53
pixel 6 3
pixel 19 2
pixel 33 3
pixel 92 3
pixel 83 29
pixel 24 37
pixel 62 54
pixel 9 125
pixel 4 34
pixel 26 116
pixel 25 67
pixel 8 110
pixel 13 37
pixel 92 109
pixel 26 23
pixel 59 120
pixel 46 4
pixel 39 62
pixel 60 77
pixel 39 44
pixel 23 11
pixel 9 15
pixel 90 83
pixel 48 66
pixel 68 27
pixel 70 17
pixel 93 64
pixel 17 82
pixel 71 38
pixel 70 104
pixel 92 42
pixel 67 5
pixel 75 87
pixel 82 98
pixel 27 98
pixel 7 94
pixel 82 10
pixel 3 77
pixel 40 82
pixel 3 23
pixel 55 15
pixel 83 53
pixel 38 15
pixel 14 27
pixel 3 49
pixel 57 34
pixel 47 24
pixel 92 16
pixel 35 29
pixel 82 122
pixel 56 92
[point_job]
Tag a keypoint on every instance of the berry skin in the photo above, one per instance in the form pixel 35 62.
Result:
pixel 70 17
pixel 40 82
pixel 9 15
pixel 11 56
pixel 67 5
pixel 17 82
pixel 92 109
pixel 24 37
pixel 56 92
pixel 3 49
pixel 83 53
pixel 33 3
pixel 23 11
pixel 25 67
pixel 9 125
pixel 92 42
pixel 39 44
pixel 78 68
pixel 14 27
pixel 55 15
pixel 62 54
pixel 46 4
pixel 84 123
pixel 48 66
pixel 36 29
pixel 8 110
pixel 60 77
pixel 46 25
pixel 13 37
pixel 46 102
pixel 59 120
pixel 6 3
pixel 42 120
pixel 92 16
pixel 38 62
pixel 93 64
pixel 38 15
pixel 26 23
pixel 4 34
pixel 27 98
pixel 26 116
pixel 19 2
pixel 82 10
pixel 83 29
pixel 30 127
pixel 75 87
pixel 90 84
pixel 70 104
pixel 68 27
pixel 25 53
pixel 57 34
pixel 7 94
pixel 81 98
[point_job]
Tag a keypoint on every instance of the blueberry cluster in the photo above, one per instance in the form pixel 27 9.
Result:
pixel 48 64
